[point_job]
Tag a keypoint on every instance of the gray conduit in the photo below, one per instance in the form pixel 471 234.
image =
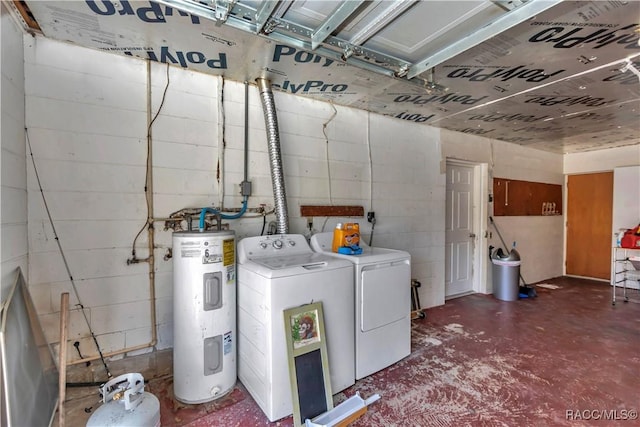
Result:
pixel 275 159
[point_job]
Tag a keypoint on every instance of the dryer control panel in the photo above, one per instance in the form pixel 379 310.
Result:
pixel 277 245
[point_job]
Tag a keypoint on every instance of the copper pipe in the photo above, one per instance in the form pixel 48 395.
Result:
pixel 113 353
pixel 150 228
pixel 62 358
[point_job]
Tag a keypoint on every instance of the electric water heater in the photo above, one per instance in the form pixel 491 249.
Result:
pixel 204 315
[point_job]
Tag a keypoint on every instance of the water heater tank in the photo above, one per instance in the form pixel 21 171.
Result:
pixel 204 315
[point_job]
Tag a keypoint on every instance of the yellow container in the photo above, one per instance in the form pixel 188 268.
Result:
pixel 347 234
pixel 338 235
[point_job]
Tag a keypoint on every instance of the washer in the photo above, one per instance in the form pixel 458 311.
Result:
pixel 280 272
pixel 382 303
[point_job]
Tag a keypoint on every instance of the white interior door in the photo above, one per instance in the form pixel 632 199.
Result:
pixel 459 235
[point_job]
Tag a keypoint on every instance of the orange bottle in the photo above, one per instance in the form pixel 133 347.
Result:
pixel 338 237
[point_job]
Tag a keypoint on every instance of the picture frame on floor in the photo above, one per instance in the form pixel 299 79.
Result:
pixel 308 362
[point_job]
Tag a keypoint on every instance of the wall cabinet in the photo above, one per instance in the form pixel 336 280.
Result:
pixel 521 198
pixel 625 271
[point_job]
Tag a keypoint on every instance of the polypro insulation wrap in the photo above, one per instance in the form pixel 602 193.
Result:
pixel 275 158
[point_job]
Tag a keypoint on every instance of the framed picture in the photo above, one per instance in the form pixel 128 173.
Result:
pixel 304 328
pixel 308 362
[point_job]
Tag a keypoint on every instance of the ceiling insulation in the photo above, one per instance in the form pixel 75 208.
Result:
pixel 560 76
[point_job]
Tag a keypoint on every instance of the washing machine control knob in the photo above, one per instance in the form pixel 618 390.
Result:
pixel 292 243
pixel 277 244
pixel 263 245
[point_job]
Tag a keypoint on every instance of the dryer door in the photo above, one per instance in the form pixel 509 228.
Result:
pixel 385 294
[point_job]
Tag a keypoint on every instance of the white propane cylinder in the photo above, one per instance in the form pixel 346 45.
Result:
pixel 126 404
pixel 204 315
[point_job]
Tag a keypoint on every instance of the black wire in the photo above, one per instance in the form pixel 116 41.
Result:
pixel 62 254
pixel 92 383
pixel 373 226
pixel 87 384
pixel 264 224
pixel 146 179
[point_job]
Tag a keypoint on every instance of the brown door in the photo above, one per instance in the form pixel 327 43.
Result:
pixel 589 222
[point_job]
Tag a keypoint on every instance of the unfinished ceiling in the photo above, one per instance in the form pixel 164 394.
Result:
pixel 560 76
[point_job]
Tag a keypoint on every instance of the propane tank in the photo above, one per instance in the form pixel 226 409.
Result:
pixel 126 404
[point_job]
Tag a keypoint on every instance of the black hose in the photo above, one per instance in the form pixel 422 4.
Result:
pixel 373 226
pixel 86 384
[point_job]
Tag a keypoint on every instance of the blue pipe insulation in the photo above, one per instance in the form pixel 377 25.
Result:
pixel 204 211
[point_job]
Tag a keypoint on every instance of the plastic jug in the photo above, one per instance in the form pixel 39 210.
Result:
pixel 347 234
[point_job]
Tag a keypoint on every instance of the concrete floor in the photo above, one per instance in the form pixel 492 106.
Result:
pixel 566 357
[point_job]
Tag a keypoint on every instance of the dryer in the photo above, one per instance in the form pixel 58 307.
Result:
pixel 280 272
pixel 382 279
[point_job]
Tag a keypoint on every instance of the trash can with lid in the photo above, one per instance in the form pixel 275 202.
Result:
pixel 506 274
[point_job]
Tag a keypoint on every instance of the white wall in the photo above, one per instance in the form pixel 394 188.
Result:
pixel 539 238
pixel 626 199
pixel 86 118
pixel 409 199
pixel 86 114
pixel 13 191
pixel 601 160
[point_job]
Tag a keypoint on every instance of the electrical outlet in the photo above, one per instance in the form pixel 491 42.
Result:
pixel 371 216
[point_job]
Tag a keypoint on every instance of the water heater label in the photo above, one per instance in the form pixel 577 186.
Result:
pixel 227 345
pixel 211 252
pixel 190 249
pixel 229 252
pixel 231 274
